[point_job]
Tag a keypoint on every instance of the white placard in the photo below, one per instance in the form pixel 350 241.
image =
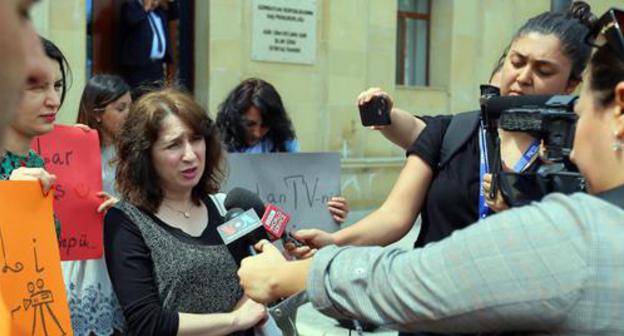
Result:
pixel 299 183
pixel 284 31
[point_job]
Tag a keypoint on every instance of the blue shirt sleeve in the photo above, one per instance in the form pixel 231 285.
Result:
pixel 292 146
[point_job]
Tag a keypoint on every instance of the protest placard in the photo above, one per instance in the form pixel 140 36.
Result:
pixel 31 283
pixel 73 155
pixel 299 183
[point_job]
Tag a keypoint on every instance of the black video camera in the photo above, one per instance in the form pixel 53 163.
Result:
pixel 550 119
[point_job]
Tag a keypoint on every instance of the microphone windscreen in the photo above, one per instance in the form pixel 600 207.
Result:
pixel 496 105
pixel 244 199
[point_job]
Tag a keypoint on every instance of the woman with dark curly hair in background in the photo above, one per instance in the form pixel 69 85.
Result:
pixel 252 119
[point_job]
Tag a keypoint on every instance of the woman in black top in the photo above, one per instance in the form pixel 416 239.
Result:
pixel 546 56
pixel 169 268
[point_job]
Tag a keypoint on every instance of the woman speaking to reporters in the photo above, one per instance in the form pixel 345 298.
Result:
pixel 169 268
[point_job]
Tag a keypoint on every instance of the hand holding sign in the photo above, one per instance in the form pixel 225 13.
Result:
pixel 34 174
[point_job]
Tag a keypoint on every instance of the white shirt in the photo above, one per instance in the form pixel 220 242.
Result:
pixel 158 35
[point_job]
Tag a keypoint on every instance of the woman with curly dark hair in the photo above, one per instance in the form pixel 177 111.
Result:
pixel 168 265
pixel 252 119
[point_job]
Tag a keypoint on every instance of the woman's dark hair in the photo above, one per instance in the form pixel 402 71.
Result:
pixel 499 63
pixel 137 180
pixel 53 52
pixel 100 91
pixel 262 95
pixel 570 28
pixel 606 70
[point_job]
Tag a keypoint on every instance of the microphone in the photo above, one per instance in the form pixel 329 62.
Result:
pixel 243 227
pixel 494 106
pixel 244 199
pixel 241 231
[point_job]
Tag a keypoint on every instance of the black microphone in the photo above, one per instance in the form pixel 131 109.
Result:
pixel 241 231
pixel 494 106
pixel 244 199
pixel 243 227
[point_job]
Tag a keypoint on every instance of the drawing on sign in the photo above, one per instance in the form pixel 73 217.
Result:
pixel 82 190
pixel 37 268
pixel 18 267
pixel 38 299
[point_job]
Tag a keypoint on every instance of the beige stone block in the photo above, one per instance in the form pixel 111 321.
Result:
pixel 347 63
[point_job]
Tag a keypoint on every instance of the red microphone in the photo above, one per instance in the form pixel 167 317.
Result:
pixel 275 221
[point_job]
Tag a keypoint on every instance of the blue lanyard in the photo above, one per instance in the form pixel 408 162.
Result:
pixel 527 156
pixel 484 168
pixel 524 161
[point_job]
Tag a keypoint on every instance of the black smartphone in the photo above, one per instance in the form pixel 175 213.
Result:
pixel 376 112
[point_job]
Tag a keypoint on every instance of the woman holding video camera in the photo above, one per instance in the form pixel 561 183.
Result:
pixel 547 56
pixel 553 267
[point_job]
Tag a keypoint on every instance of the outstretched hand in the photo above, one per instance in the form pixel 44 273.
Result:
pixel 313 240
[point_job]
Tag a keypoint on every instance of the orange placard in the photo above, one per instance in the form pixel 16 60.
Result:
pixel 31 283
pixel 5 319
pixel 73 155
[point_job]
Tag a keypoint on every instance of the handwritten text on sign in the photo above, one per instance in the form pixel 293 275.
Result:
pixel 73 155
pixel 301 184
pixel 284 31
pixel 31 283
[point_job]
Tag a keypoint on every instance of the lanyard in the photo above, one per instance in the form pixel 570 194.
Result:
pixel 527 156
pixel 484 168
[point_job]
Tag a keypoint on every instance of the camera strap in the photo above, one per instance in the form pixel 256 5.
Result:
pixel 484 167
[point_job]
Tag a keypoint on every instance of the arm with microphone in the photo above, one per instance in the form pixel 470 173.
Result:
pixel 249 221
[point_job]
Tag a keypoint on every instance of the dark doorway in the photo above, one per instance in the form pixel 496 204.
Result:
pixel 104 34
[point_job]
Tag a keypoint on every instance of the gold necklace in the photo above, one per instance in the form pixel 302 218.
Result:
pixel 186 214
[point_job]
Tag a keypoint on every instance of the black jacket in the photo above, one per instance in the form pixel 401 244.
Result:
pixel 137 33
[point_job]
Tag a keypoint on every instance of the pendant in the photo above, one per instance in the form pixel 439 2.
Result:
pixel 186 214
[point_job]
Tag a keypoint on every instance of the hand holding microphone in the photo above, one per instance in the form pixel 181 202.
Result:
pixel 257 274
pixel 313 239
